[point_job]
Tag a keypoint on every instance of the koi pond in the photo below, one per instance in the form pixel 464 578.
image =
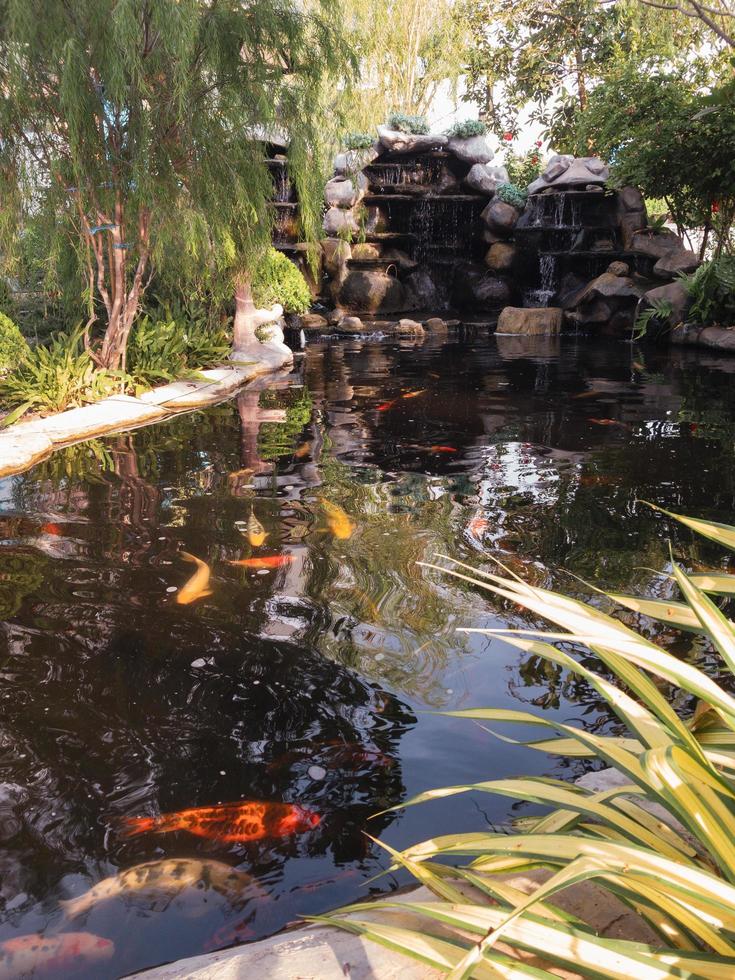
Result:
pixel 220 656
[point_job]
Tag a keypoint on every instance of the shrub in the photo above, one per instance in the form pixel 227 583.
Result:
pixel 162 348
pixel 358 141
pixel 466 129
pixel 712 288
pixel 277 280
pixel 13 346
pixel 524 168
pixel 408 124
pixel 675 871
pixel 512 194
pixel 55 377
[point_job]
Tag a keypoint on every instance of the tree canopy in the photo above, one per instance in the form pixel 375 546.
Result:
pixel 135 130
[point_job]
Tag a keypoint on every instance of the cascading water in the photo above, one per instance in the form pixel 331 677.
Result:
pixel 542 295
pixel 281 184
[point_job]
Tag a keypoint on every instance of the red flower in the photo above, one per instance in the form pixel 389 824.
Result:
pixel 534 159
pixel 715 207
pixel 538 143
pixel 508 137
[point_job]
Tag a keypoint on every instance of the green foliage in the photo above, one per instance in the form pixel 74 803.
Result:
pixel 712 288
pixel 524 168
pixel 276 439
pixel 149 124
pixel 660 133
pixel 531 59
pixel 467 128
pixel 404 123
pixel 13 346
pixel 277 280
pixel 358 141
pixel 660 310
pixel 166 347
pixel 512 194
pixel 56 377
pixel 407 51
pixel 676 871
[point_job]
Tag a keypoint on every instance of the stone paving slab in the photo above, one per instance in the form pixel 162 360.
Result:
pixel 325 953
pixel 26 443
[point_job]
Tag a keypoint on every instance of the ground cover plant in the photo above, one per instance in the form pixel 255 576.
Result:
pixel 678 874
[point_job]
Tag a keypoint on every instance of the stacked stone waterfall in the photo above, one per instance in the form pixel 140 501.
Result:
pixel 416 222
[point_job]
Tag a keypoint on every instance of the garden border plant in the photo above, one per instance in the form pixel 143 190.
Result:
pixel 677 873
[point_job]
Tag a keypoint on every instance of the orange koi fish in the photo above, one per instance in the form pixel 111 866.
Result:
pixel 593 393
pixel 443 449
pixel 414 394
pixel 53 529
pixel 303 450
pixel 256 532
pixel 620 425
pixel 52 956
pixel 386 406
pixel 339 523
pixel 267 561
pixel 477 525
pixel 198 585
pixel 230 822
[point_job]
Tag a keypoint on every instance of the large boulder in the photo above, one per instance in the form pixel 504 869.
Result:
pixel 338 221
pixel 352 161
pixel 345 192
pixel 476 288
pixel 395 141
pixel 630 222
pixel 336 253
pixel 674 296
pixel 531 322
pixel 501 218
pixel 501 257
pixel 656 244
pixel 566 173
pixel 371 292
pixel 485 179
pixel 669 266
pixel 421 290
pixel 609 300
pixel 473 149
pixel 631 199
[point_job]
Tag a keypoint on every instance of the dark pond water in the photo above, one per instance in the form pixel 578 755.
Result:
pixel 313 682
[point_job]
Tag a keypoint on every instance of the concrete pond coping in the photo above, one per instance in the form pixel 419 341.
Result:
pixel 24 444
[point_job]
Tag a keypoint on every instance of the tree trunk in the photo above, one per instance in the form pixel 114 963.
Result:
pixel 244 326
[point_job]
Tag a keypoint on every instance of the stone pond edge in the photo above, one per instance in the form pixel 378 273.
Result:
pixel 24 444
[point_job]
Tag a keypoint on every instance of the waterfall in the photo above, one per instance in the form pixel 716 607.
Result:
pixel 547 271
pixel 281 184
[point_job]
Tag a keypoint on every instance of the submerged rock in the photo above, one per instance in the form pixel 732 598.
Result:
pixel 531 322
pixel 409 328
pixel 351 324
pixel 435 324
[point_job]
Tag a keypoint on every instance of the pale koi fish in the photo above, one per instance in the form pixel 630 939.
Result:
pixel 198 585
pixel 339 523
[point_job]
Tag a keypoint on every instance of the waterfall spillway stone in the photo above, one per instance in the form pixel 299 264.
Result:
pixel 419 225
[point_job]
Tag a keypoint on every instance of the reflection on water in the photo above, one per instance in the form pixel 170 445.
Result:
pixel 300 670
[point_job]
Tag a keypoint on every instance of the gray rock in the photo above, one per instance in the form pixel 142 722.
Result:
pixel 656 244
pixel 618 269
pixel 672 293
pixel 668 266
pixel 564 172
pixel 609 299
pixel 500 217
pixel 719 338
pixel 501 257
pixel 351 324
pixel 474 149
pixel 336 254
pixel 409 328
pixel 485 179
pixel 338 220
pixel 311 322
pixel 402 260
pixel 629 223
pixel 345 192
pixel 435 324
pixel 397 142
pixel 421 291
pixel 531 322
pixel 368 291
pixel 352 161
pixel 479 289
pixel 631 199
